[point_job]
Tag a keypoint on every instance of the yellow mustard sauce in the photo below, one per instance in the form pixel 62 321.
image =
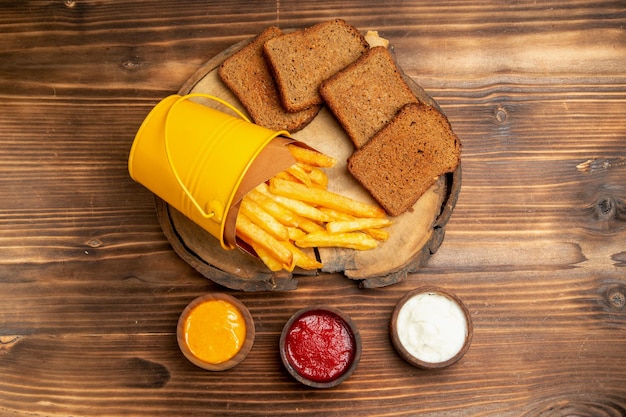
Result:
pixel 215 331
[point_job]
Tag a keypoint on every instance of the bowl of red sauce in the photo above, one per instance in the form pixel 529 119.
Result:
pixel 320 346
pixel 215 332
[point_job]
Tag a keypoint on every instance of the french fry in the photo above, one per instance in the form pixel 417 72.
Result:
pixel 286 176
pixel 272 263
pixel 263 219
pixel 295 233
pixel 301 258
pixel 353 240
pixel 300 174
pixel 378 234
pixel 301 208
pixel 306 167
pixel 318 178
pixel 324 198
pixel 343 226
pixel 309 225
pixel 255 236
pixel 281 213
pixel 263 188
pixel 337 215
pixel 311 157
pixel 306 174
pixel 303 226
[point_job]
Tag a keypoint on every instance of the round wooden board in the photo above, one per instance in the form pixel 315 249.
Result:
pixel 414 236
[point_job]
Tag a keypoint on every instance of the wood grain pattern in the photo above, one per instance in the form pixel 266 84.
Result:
pixel 90 289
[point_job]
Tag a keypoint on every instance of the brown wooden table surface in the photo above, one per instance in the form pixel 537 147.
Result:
pixel 90 289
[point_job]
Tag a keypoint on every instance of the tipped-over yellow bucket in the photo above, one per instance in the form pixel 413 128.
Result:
pixel 196 158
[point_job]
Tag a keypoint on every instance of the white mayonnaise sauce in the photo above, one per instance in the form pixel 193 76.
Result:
pixel 431 327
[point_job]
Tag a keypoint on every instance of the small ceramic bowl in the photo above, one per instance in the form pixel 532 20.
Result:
pixel 431 328
pixel 320 346
pixel 201 333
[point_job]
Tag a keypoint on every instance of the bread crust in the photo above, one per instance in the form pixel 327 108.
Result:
pixel 403 160
pixel 301 60
pixel 247 75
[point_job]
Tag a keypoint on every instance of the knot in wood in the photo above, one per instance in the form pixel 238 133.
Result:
pixel 7 342
pixel 605 207
pixel 617 299
pixel 501 115
pixel 131 64
pixel 94 243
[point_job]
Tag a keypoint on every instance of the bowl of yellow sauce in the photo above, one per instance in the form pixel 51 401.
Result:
pixel 215 332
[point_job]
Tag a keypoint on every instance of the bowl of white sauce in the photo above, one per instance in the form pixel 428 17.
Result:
pixel 431 328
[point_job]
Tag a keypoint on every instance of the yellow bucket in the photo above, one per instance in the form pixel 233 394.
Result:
pixel 201 161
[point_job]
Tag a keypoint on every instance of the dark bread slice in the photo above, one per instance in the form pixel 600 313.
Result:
pixel 405 157
pixel 366 95
pixel 247 75
pixel 301 60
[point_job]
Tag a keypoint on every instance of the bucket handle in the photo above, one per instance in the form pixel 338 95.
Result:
pixel 203 212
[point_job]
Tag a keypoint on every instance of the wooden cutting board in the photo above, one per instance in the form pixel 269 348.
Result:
pixel 414 236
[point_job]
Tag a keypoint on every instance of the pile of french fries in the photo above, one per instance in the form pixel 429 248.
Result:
pixel 284 219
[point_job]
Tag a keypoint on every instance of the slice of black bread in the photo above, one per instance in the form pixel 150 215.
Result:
pixel 247 75
pixel 301 60
pixel 406 156
pixel 367 94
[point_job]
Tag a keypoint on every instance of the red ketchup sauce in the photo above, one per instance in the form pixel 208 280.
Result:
pixel 320 346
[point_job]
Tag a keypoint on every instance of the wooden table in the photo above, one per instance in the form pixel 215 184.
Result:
pixel 90 289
